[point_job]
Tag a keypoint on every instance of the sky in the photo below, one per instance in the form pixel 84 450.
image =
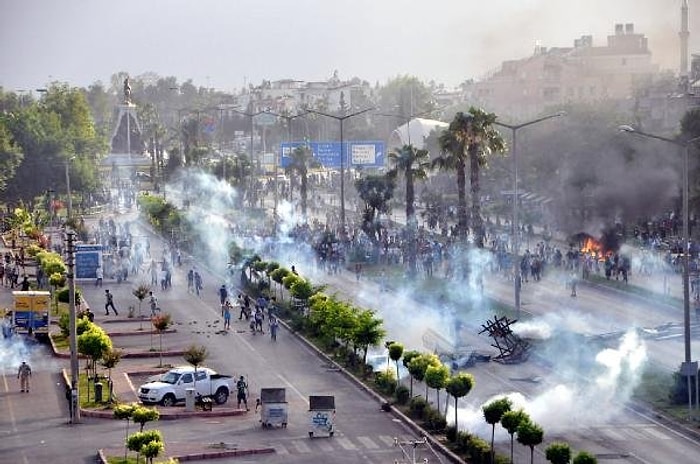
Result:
pixel 227 44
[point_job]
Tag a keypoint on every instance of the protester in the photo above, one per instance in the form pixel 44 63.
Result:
pixel 109 303
pixel 24 374
pixel 242 388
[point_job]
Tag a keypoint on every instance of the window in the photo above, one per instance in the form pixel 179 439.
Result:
pixel 200 375
pixel 186 378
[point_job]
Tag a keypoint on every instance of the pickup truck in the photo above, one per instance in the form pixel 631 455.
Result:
pixel 170 387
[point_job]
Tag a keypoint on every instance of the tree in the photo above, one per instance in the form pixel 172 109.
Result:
pixel 470 138
pixel 138 440
pixel 121 412
pixel 493 412
pixel 300 162
pixel 140 293
pixel 558 453
pixel 436 377
pixel 530 434
pixel 94 343
pixel 459 386
pixel 196 355
pixel 510 421
pixel 420 364
pixel 368 332
pixel 10 154
pixel 152 450
pixel 141 415
pixel 412 164
pixel 585 458
pixel 161 322
pixel 395 352
pixel 109 360
pixel 407 358
pixel 376 191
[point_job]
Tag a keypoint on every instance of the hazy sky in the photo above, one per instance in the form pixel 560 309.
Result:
pixel 224 43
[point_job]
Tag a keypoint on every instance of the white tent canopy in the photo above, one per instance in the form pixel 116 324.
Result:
pixel 414 132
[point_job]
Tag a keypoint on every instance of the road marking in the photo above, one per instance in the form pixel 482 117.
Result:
pixel 301 446
pixel 279 449
pixel 634 433
pixel 367 442
pixel 612 434
pixel 652 430
pixel 387 440
pixel 294 389
pixel 346 444
pixel 325 446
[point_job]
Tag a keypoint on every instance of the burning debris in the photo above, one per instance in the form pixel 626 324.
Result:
pixel 512 348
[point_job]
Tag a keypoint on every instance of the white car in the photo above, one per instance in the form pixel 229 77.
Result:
pixel 170 388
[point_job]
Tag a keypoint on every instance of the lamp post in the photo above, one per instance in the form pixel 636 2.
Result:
pixel 516 238
pixel 341 120
pixel 68 192
pixel 689 368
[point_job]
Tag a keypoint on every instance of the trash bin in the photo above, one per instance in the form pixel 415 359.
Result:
pixel 189 399
pixel 98 392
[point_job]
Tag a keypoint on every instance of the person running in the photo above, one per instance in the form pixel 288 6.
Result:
pixel 242 388
pixel 24 374
pixel 109 303
pixel 153 302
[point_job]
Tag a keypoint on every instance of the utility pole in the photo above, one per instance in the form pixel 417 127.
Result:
pixel 74 367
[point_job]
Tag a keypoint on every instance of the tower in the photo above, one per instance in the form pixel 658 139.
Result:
pixel 684 34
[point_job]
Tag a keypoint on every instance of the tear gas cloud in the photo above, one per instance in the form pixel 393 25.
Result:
pixel 591 398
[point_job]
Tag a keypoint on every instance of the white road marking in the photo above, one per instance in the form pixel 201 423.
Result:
pixel 294 389
pixel 387 440
pixel 301 446
pixel 367 442
pixel 652 430
pixel 346 444
pixel 279 449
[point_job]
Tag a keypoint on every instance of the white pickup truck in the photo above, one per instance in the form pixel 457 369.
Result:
pixel 170 387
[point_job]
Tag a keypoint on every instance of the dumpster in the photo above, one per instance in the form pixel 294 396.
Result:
pixel 273 407
pixel 321 415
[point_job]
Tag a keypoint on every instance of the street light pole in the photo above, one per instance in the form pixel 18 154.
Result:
pixel 341 119
pixel 518 281
pixel 689 368
pixel 68 192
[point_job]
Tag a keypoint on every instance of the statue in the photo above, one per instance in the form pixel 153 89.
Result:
pixel 127 91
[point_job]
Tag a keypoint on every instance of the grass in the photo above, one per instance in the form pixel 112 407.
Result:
pixel 654 390
pixel 61 342
pixel 87 390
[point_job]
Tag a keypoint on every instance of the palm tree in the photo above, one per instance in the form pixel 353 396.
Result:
pixel 412 164
pixel 301 160
pixel 531 435
pixel 470 137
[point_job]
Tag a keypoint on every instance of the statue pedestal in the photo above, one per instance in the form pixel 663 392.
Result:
pixel 128 128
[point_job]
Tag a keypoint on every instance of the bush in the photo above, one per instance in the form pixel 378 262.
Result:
pixel 462 441
pixel 64 323
pixel 417 407
pixel 62 295
pixel 451 433
pixel 434 421
pixel 386 381
pixel 479 450
pixel 402 394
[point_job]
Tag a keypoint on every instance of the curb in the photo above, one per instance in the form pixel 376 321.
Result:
pixel 102 458
pixel 380 399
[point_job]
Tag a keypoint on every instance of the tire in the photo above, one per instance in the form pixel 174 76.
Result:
pixel 311 434
pixel 330 434
pixel 168 400
pixel 221 395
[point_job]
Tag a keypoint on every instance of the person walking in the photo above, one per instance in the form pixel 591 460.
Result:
pixel 242 388
pixel 223 295
pixel 227 315
pixel 109 303
pixel 273 328
pixel 99 275
pixel 24 374
pixel 153 302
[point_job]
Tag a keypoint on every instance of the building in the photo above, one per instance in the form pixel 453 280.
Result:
pixel 553 77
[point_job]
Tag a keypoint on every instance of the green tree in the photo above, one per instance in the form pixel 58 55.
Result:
pixel 141 416
pixel 140 293
pixel 300 162
pixel 196 355
pixel 531 435
pixel 395 353
pixel 376 191
pixel 161 322
pixel 493 412
pixel 368 332
pixel 136 442
pixel 10 154
pixel 436 377
pixel 419 365
pixel 470 138
pixel 459 386
pixel 121 412
pixel 407 358
pixel 510 421
pixel 94 343
pixel 584 457
pixel 558 453
pixel 152 450
pixel 109 361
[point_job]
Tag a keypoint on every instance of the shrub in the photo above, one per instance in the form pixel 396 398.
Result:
pixel 434 421
pixel 62 295
pixel 386 381
pixel 402 394
pixel 479 450
pixel 417 407
pixel 451 433
pixel 462 441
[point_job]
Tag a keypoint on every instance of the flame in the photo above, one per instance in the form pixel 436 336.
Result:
pixel 592 246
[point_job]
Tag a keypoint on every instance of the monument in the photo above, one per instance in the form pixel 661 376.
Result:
pixel 126 138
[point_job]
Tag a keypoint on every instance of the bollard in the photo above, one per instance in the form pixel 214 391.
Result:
pixel 189 399
pixel 98 392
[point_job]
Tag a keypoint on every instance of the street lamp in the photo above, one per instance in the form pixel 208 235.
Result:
pixel 689 368
pixel 516 238
pixel 341 119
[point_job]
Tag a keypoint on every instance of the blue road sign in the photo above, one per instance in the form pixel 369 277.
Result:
pixel 357 153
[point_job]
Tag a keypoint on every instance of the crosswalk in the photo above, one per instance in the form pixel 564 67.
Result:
pixel 338 443
pixel 626 432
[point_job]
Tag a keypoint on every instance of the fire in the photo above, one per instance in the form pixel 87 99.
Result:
pixel 592 246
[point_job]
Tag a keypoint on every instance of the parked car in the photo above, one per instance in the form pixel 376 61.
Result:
pixel 170 388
